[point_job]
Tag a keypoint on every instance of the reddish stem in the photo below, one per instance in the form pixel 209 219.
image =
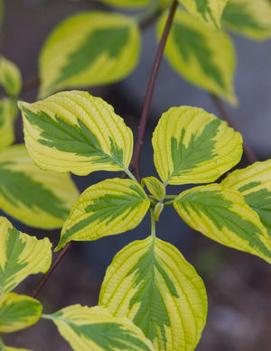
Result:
pixel 135 165
pixel 47 276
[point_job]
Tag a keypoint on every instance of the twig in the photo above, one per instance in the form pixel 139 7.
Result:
pixel 30 84
pixel 248 152
pixel 47 276
pixel 149 92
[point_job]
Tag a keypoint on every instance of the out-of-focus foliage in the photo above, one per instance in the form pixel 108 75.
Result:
pixel 249 18
pixel 90 48
pixel 209 11
pixel 10 77
pixel 202 55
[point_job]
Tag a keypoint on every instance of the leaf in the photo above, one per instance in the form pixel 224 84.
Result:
pixel 20 256
pixel 209 11
pixel 193 146
pixel 37 198
pixel 127 3
pixel 77 132
pixel 94 329
pixel 249 18
pixel 10 77
pixel 90 48
pixel 254 182
pixel 110 207
pixel 222 214
pixel 151 283
pixel 155 187
pixel 18 312
pixel 8 112
pixel 203 56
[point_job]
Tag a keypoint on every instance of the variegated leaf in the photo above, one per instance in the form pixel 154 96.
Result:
pixel 155 187
pixel 209 11
pixel 201 55
pixel 249 18
pixel 151 283
pixel 254 182
pixel 193 146
pixel 222 214
pixel 8 112
pixel 20 256
pixel 127 3
pixel 90 48
pixel 94 329
pixel 110 207
pixel 18 312
pixel 77 132
pixel 35 197
pixel 10 77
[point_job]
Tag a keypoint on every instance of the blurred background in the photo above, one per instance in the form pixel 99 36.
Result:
pixel 238 285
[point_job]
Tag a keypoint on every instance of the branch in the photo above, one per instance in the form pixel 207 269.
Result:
pixel 149 92
pixel 248 152
pixel 30 84
pixel 47 276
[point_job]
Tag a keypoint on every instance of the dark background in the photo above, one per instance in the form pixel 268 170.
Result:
pixel 238 285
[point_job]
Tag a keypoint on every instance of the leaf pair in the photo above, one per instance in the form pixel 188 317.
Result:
pixel 192 146
pixel 20 256
pixel 74 131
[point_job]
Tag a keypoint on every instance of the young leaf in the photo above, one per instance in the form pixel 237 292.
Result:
pixel 223 215
pixel 18 312
pixel 20 256
pixel 10 77
pixel 127 3
pixel 94 329
pixel 209 11
pixel 8 111
pixel 151 283
pixel 77 132
pixel 249 18
pixel 193 146
pixel 254 182
pixel 110 207
pixel 87 49
pixel 155 187
pixel 42 199
pixel 202 55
